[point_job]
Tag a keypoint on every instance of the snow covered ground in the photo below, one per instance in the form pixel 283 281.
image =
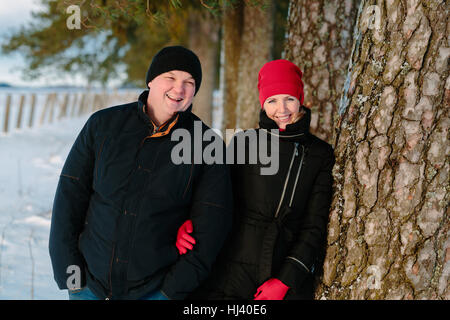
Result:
pixel 30 163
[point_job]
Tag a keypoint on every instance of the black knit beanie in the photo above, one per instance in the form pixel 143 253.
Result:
pixel 175 58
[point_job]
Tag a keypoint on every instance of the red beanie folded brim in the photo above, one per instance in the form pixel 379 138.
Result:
pixel 280 77
pixel 281 88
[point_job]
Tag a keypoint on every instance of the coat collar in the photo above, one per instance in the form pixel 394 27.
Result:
pixel 179 117
pixel 298 131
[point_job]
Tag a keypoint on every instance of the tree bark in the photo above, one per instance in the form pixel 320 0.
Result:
pixel 319 41
pixel 388 235
pixel 204 41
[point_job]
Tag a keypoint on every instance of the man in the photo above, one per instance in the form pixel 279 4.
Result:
pixel 121 199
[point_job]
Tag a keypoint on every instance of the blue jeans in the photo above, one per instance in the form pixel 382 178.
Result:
pixel 82 294
pixel 87 294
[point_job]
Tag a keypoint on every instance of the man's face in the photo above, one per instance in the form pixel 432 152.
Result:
pixel 171 92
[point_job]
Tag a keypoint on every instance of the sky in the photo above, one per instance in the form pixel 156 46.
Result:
pixel 13 15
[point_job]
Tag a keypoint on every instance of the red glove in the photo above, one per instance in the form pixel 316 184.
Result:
pixel 184 240
pixel 272 289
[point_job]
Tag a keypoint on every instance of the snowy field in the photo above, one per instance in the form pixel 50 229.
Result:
pixel 31 160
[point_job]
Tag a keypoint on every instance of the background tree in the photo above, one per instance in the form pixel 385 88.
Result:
pixel 319 41
pixel 253 34
pixel 232 26
pixel 255 50
pixel 388 235
pixel 204 41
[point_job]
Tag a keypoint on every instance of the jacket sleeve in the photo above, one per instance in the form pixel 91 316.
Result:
pixel 304 254
pixel 70 206
pixel 211 216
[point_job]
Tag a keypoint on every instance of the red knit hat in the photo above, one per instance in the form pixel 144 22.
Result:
pixel 280 77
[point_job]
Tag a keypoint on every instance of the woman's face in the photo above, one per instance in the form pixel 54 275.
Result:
pixel 283 109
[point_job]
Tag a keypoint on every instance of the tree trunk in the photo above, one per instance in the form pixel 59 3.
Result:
pixel 204 41
pixel 319 41
pixel 232 23
pixel 388 235
pixel 256 45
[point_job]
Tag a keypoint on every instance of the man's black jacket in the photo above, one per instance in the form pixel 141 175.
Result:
pixel 120 201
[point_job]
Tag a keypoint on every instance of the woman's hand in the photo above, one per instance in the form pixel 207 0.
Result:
pixel 272 289
pixel 184 240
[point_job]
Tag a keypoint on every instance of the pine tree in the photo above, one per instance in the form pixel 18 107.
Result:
pixel 388 236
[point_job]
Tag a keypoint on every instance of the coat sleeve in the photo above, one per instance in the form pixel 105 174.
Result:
pixel 70 206
pixel 304 254
pixel 211 216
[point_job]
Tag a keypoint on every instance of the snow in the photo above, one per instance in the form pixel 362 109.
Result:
pixel 31 160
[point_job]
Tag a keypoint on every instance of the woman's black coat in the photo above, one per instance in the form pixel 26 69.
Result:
pixel 280 221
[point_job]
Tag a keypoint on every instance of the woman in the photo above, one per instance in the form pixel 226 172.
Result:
pixel 280 221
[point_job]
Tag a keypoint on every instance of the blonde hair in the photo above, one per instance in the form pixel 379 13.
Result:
pixel 298 116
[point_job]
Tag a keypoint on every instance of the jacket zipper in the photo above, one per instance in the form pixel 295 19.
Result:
pixel 295 154
pixel 293 193
pixel 287 179
pixel 97 160
pixel 298 174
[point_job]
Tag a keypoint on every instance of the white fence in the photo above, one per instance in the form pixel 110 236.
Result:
pixel 19 110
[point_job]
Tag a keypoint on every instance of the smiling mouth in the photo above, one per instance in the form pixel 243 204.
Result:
pixel 284 118
pixel 174 99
